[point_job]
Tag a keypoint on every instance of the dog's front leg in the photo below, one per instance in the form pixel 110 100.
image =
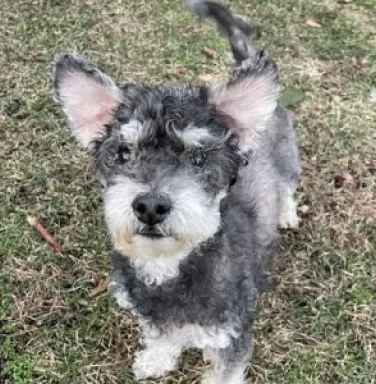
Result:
pixel 117 288
pixel 160 355
pixel 229 364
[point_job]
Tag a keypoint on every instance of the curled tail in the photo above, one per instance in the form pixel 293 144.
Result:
pixel 236 29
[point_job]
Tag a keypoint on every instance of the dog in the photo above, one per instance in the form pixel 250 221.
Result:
pixel 195 181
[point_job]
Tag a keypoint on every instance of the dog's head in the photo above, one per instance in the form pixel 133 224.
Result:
pixel 166 155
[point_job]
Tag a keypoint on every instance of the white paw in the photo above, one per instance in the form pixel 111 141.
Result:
pixel 217 378
pixel 290 221
pixel 208 355
pixel 288 217
pixel 211 379
pixel 121 295
pixel 123 300
pixel 153 362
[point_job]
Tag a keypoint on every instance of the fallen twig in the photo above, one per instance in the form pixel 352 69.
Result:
pixel 99 288
pixel 211 53
pixel 33 221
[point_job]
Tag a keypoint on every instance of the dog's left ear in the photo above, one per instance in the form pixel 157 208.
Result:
pixel 88 96
pixel 249 98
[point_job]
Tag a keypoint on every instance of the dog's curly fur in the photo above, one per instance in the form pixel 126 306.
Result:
pixel 226 161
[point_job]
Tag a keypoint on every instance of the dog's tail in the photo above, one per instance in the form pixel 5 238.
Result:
pixel 236 29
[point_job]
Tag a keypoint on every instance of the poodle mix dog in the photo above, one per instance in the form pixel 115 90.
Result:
pixel 195 181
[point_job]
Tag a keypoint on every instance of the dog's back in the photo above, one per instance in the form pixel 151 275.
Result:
pixel 267 184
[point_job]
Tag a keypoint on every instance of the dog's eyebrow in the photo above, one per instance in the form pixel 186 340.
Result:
pixel 132 132
pixel 193 137
pixel 135 133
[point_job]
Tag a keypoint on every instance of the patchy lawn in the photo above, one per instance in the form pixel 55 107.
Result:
pixel 319 323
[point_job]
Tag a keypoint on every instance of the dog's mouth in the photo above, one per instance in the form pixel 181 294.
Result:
pixel 151 233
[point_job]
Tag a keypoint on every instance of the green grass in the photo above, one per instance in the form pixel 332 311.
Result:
pixel 318 325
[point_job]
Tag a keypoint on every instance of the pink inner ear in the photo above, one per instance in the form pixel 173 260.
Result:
pixel 249 103
pixel 88 103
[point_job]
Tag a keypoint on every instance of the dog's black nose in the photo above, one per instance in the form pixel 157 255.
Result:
pixel 151 208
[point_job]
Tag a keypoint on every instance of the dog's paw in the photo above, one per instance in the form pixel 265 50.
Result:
pixel 123 300
pixel 121 295
pixel 213 378
pixel 153 362
pixel 209 380
pixel 290 221
pixel 288 217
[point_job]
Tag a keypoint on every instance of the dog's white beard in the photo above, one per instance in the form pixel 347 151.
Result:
pixel 195 217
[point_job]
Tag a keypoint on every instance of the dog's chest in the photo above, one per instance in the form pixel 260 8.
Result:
pixel 180 295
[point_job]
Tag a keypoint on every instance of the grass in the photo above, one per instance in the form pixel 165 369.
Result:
pixel 318 325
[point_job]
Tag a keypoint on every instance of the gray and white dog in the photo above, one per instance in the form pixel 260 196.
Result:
pixel 195 181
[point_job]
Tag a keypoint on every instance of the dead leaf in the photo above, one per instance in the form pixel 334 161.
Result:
pixel 291 97
pixel 344 179
pixel 304 209
pixel 99 288
pixel 209 52
pixel 312 22
pixel 92 32
pixel 178 72
pixel 181 70
pixel 348 179
pixel 206 77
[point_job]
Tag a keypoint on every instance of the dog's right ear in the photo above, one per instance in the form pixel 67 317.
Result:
pixel 88 96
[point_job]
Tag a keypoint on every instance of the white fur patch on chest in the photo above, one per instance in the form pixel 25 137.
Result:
pixel 157 270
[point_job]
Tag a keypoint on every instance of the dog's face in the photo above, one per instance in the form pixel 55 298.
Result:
pixel 165 165
pixel 166 156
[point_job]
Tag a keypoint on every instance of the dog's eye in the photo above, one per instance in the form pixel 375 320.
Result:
pixel 199 160
pixel 233 180
pixel 124 154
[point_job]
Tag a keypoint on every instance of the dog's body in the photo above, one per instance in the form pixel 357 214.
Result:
pixel 192 221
